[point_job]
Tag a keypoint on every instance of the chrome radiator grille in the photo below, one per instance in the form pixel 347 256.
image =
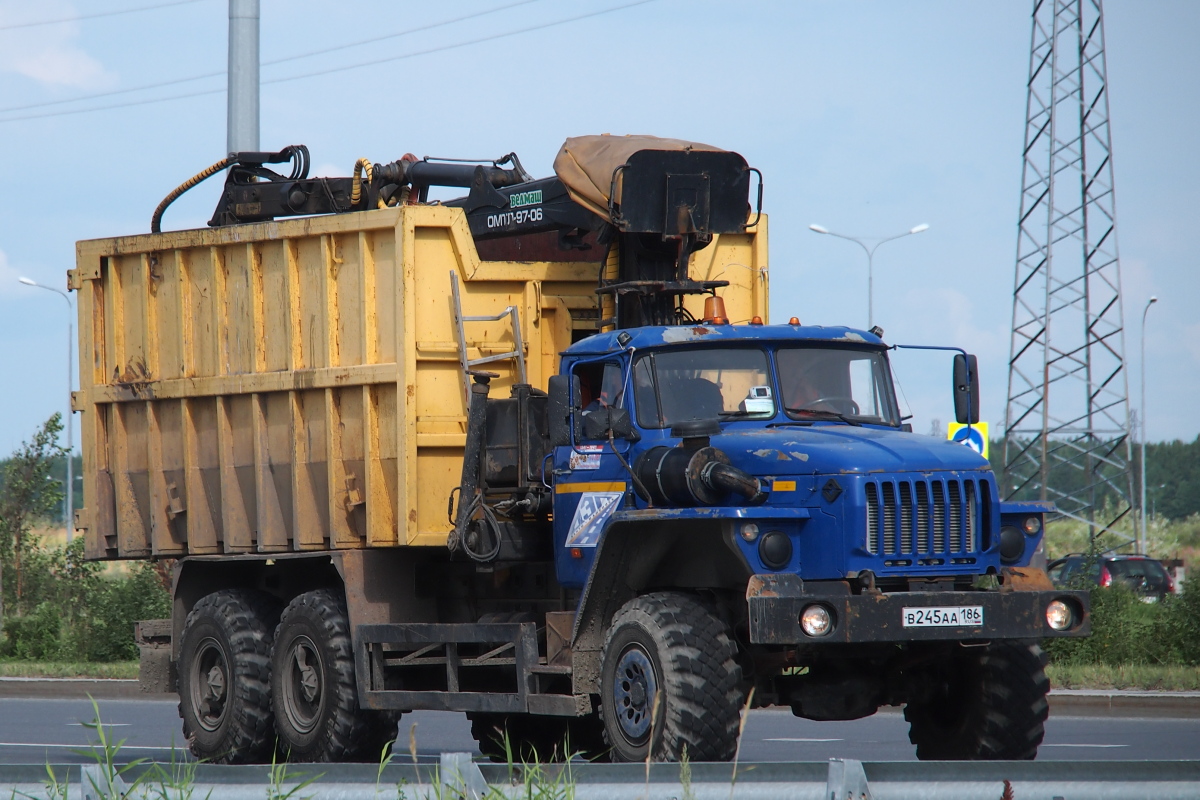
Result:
pixel 925 517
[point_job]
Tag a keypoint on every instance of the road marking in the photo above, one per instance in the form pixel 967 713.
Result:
pixel 1084 745
pixel 107 724
pixel 794 739
pixel 83 746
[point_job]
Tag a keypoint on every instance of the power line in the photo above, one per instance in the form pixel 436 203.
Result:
pixel 207 75
pixel 114 105
pixel 97 15
pixel 360 65
pixel 444 48
pixel 401 33
pixel 98 95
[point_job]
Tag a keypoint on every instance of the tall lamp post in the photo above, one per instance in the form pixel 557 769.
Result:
pixel 870 251
pixel 1145 311
pixel 69 500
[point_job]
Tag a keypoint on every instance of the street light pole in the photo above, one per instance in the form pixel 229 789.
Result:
pixel 1145 311
pixel 870 251
pixel 69 499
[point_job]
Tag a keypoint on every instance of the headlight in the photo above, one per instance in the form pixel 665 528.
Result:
pixel 775 549
pixel 1058 615
pixel 1033 525
pixel 1012 544
pixel 749 531
pixel 816 620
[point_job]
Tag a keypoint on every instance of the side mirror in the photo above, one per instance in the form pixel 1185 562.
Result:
pixel 966 390
pixel 562 409
pixel 597 424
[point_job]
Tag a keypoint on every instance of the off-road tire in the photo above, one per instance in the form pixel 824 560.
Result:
pixel 328 725
pixel 230 631
pixel 694 663
pixel 534 738
pixel 991 705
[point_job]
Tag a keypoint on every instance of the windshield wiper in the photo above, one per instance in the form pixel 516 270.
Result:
pixel 834 414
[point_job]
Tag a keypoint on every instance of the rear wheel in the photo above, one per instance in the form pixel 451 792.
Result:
pixel 225 677
pixel 669 681
pixel 314 694
pixel 987 705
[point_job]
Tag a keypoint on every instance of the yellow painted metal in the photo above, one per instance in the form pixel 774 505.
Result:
pixel 294 385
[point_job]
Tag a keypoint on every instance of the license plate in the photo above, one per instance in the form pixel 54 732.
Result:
pixel 943 617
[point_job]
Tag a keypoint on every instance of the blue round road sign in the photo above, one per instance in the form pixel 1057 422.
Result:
pixel 971 437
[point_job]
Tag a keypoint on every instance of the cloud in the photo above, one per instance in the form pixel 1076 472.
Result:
pixel 8 276
pixel 48 54
pixel 328 170
pixel 948 315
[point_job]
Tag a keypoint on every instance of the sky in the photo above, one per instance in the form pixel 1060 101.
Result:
pixel 866 117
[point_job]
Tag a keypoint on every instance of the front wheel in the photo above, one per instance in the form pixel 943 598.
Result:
pixel 987 705
pixel 669 681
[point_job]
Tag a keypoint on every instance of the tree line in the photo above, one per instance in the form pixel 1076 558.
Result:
pixel 1172 477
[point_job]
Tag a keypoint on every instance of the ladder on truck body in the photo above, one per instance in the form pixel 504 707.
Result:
pixel 517 353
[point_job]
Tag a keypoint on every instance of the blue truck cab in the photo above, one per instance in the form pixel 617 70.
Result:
pixel 768 467
pixel 811 414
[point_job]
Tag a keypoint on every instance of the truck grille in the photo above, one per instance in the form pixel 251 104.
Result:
pixel 925 517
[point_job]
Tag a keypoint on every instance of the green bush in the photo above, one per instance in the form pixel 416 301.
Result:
pixel 1126 630
pixel 1178 628
pixel 71 611
pixel 115 607
pixel 36 636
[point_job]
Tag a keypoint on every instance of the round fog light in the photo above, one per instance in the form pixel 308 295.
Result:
pixel 1058 615
pixel 1033 525
pixel 749 531
pixel 816 620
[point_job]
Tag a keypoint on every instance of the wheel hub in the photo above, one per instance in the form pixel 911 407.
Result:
pixel 634 688
pixel 216 683
pixel 209 684
pixel 302 684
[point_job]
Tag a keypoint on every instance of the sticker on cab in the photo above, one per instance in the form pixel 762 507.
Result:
pixel 593 511
pixel 586 456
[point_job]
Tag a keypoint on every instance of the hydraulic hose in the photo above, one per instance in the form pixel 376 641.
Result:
pixel 156 218
pixel 361 167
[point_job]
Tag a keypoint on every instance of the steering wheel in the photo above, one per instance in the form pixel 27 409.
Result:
pixel 841 405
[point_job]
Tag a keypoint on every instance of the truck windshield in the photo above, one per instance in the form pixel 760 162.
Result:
pixel 704 383
pixel 817 381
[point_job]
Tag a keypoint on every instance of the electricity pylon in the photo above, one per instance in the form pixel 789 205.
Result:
pixel 1067 418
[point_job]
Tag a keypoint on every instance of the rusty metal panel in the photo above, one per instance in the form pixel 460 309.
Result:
pixel 775 602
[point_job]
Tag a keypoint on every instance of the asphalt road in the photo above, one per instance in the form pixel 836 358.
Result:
pixel 37 731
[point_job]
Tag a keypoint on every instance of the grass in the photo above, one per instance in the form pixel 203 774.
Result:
pixel 10 668
pixel 1157 677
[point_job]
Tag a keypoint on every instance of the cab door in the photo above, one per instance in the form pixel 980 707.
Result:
pixel 589 481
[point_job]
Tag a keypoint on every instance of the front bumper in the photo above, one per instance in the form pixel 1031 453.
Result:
pixel 775 603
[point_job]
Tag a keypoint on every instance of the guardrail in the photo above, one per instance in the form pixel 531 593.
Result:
pixel 457 777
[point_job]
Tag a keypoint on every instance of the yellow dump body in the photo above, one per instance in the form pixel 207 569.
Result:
pixel 296 385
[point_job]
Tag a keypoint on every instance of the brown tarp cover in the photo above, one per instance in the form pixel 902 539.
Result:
pixel 585 164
